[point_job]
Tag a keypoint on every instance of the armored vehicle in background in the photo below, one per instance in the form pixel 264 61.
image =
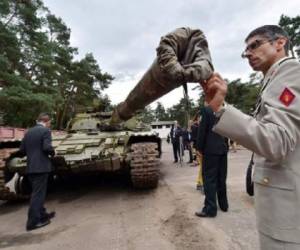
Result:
pixel 92 145
pixel 97 145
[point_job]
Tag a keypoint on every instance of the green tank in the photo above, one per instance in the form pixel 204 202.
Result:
pixel 118 141
pixel 92 145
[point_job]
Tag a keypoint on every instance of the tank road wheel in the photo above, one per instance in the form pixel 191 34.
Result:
pixel 22 186
pixel 144 165
pixel 5 193
pixel 6 176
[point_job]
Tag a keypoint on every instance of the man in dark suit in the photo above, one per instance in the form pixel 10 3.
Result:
pixel 37 146
pixel 214 149
pixel 175 134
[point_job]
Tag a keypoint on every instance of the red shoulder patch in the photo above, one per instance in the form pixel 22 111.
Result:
pixel 286 97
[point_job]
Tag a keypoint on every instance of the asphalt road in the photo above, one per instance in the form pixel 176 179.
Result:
pixel 106 213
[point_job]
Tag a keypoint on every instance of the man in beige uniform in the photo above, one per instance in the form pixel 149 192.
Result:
pixel 273 135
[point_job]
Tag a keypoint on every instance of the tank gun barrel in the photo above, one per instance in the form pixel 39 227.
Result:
pixel 182 56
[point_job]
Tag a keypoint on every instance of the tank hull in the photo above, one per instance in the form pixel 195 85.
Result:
pixel 93 152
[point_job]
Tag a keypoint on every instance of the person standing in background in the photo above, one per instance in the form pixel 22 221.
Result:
pixel 187 141
pixel 175 134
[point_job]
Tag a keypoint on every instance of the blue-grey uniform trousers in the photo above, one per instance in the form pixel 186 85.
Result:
pixel 268 243
pixel 36 211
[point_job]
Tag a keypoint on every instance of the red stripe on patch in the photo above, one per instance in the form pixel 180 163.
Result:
pixel 286 97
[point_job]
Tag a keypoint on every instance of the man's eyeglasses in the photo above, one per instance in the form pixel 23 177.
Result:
pixel 254 45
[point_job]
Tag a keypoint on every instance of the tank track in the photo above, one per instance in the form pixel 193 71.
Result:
pixel 5 193
pixel 144 165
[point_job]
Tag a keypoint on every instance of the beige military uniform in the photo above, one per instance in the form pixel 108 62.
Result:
pixel 274 137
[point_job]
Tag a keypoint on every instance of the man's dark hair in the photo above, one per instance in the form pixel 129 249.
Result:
pixel 271 32
pixel 43 117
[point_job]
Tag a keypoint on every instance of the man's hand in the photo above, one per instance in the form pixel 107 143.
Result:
pixel 215 90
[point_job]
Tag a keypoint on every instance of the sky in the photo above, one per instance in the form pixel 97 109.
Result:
pixel 123 35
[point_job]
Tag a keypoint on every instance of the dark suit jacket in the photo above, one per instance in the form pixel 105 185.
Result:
pixel 175 136
pixel 36 145
pixel 209 142
pixel 186 136
pixel 194 133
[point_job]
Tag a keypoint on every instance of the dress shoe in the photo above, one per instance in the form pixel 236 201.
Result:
pixel 203 214
pixel 224 209
pixel 38 225
pixel 49 216
pixel 175 161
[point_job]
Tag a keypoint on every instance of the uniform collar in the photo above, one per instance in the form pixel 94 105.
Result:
pixel 273 69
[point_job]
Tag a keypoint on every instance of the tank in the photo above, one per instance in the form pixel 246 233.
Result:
pixel 91 145
pixel 117 141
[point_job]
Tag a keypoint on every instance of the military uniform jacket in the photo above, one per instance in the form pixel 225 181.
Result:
pixel 274 137
pixel 36 145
